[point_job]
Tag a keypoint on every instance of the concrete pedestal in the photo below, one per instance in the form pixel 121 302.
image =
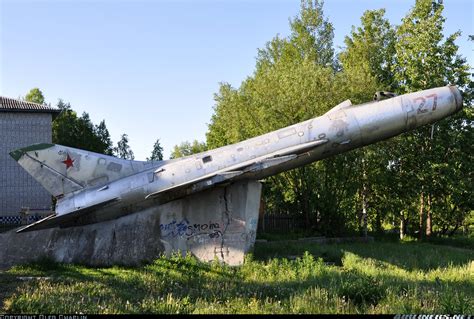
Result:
pixel 218 223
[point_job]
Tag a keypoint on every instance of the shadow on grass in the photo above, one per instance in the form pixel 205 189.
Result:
pixel 8 285
pixel 191 281
pixel 269 250
pixel 407 255
pixel 412 255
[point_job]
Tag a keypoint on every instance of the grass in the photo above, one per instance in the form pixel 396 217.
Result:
pixel 291 277
pixel 459 241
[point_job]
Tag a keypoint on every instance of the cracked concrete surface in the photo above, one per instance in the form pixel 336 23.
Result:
pixel 227 219
pixel 218 223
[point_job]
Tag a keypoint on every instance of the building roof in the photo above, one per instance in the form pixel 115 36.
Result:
pixel 11 105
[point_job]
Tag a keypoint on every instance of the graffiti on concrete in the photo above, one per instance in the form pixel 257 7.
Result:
pixel 186 229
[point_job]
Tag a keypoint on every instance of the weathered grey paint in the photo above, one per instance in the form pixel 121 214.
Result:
pixel 18 188
pixel 219 223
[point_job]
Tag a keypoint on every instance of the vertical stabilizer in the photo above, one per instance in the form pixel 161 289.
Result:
pixel 62 170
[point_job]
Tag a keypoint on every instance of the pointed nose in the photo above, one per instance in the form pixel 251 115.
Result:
pixel 457 97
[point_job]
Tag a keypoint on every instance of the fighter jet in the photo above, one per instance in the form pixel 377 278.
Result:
pixel 91 187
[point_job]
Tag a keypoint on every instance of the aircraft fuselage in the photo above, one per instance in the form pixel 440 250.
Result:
pixel 343 128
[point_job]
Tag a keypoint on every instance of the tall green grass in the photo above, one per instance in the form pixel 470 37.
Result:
pixel 348 278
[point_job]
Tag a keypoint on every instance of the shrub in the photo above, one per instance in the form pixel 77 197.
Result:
pixel 361 289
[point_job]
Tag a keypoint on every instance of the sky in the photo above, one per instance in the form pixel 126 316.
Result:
pixel 151 68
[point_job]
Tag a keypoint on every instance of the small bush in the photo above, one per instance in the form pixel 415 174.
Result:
pixel 456 302
pixel 361 289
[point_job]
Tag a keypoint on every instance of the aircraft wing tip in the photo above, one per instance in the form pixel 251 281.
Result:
pixel 34 226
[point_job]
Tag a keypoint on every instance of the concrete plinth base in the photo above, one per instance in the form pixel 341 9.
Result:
pixel 218 223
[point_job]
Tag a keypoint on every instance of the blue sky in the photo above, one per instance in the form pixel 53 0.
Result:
pixel 151 68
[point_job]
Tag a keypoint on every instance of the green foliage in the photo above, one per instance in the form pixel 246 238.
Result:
pixel 80 132
pixel 35 95
pixel 361 289
pixel 157 153
pixel 102 132
pixel 291 84
pixel 413 278
pixel 186 148
pixel 311 39
pixel 295 79
pixel 123 150
pixel 454 241
pixel 423 59
pixel 370 52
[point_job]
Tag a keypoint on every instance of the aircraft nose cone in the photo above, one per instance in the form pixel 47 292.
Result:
pixel 457 97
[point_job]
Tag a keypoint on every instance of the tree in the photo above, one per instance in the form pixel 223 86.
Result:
pixel 157 153
pixel 35 95
pixel 424 59
pixel 123 150
pixel 370 51
pixel 312 34
pixel 385 184
pixel 70 130
pixel 64 126
pixel 294 81
pixel 367 64
pixel 186 148
pixel 103 134
pixel 311 39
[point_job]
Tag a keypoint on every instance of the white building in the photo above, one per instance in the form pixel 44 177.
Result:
pixel 21 124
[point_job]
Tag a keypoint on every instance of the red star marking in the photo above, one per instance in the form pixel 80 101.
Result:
pixel 68 161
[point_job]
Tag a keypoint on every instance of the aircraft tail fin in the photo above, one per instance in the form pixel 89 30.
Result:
pixel 62 170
